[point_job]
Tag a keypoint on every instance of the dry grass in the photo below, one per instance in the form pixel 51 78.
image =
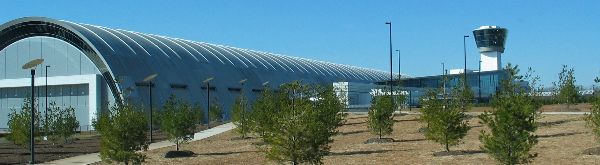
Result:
pixel 562 140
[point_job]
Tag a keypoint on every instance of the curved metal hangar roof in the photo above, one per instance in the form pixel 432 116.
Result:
pixel 128 57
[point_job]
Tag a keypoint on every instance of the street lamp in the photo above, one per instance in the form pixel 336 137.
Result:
pixel 148 81
pixel 465 52
pixel 207 82
pixel 444 77
pixel 391 69
pixel 46 88
pixel 479 81
pixel 399 75
pixel 31 65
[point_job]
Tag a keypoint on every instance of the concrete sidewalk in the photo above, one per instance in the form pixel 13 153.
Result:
pixel 95 157
pixel 477 113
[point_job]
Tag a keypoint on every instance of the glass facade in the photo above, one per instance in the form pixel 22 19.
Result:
pixel 64 60
pixel 416 87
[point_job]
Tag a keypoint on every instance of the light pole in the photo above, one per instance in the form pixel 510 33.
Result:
pixel 46 88
pixel 479 81
pixel 465 52
pixel 31 65
pixel 399 75
pixel 444 77
pixel 391 69
pixel 207 82
pixel 148 80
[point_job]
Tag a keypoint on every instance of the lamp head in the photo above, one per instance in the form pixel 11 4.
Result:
pixel 208 79
pixel 150 78
pixel 243 81
pixel 33 63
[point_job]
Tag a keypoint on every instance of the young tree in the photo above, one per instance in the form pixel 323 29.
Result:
pixel 123 129
pixel 178 120
pixel 240 115
pixel 445 119
pixel 593 118
pixel 19 124
pixel 65 123
pixel 216 112
pixel 567 90
pixel 301 122
pixel 262 111
pixel 381 115
pixel 512 123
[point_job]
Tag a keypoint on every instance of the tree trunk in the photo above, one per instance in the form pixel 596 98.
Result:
pixel 177 146
pixel 446 141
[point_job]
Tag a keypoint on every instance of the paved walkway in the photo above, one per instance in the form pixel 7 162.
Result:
pixel 95 157
pixel 478 113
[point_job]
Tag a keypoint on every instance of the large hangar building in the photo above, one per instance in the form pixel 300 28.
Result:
pixel 87 66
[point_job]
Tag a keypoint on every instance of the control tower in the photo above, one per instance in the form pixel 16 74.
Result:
pixel 490 41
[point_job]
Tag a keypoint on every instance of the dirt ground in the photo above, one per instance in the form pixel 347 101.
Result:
pixel 580 107
pixel 562 140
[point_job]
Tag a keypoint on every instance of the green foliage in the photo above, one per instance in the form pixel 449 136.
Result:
pixel 216 112
pixel 381 115
pixel 240 116
pixel 567 90
pixel 512 124
pixel 444 117
pixel 199 113
pixel 262 110
pixel 178 120
pixel 19 124
pixel 301 121
pixel 123 129
pixel 593 119
pixel 61 123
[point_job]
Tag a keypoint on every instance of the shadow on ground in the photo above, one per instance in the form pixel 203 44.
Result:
pixel 352 132
pixel 345 153
pixel 226 153
pixel 559 134
pixel 553 123
pixel 457 153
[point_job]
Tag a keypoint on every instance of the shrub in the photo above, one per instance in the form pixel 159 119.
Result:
pixel 240 115
pixel 19 124
pixel 123 129
pixel 216 112
pixel 381 115
pixel 61 122
pixel 300 122
pixel 512 124
pixel 567 90
pixel 445 119
pixel 178 120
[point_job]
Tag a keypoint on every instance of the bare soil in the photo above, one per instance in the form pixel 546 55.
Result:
pixel 580 107
pixel 83 143
pixel 563 139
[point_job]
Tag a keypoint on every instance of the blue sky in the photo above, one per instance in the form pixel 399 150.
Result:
pixel 543 35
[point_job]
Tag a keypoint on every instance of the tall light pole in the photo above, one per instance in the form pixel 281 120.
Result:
pixel 207 82
pixel 444 77
pixel 391 69
pixel 465 52
pixel 31 65
pixel 148 80
pixel 399 75
pixel 46 88
pixel 479 81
